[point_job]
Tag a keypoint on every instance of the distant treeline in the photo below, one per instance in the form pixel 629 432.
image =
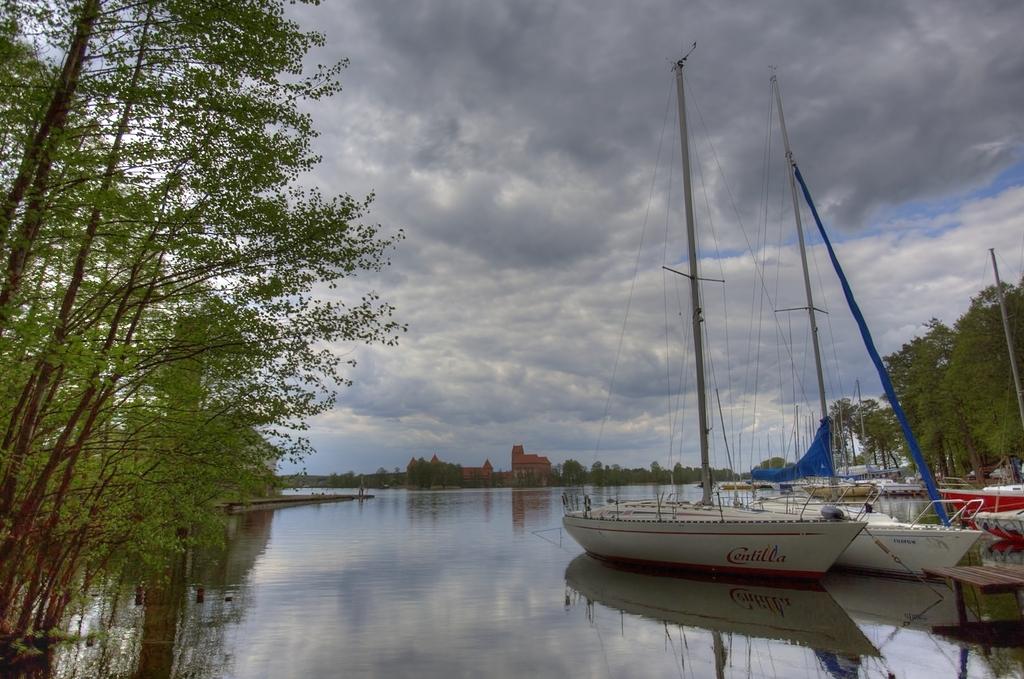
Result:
pixel 346 480
pixel 424 474
pixel 572 473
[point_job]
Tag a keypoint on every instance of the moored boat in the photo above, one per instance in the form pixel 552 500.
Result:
pixel 1002 498
pixel 886 545
pixel 1004 525
pixel 891 487
pixel 689 536
pixel 701 536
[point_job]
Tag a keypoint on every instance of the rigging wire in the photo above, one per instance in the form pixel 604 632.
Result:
pixel 1011 413
pixel 779 248
pixel 759 270
pixel 1020 260
pixel 832 338
pixel 762 242
pixel 676 412
pixel 841 429
pixel 684 375
pixel 664 295
pixel 676 657
pixel 710 358
pixel 782 339
pixel 1015 331
pixel 632 285
pixel 719 258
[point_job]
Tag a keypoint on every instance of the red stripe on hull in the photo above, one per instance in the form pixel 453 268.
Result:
pixel 605 529
pixel 1004 534
pixel 702 568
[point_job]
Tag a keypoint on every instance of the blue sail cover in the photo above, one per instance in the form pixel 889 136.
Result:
pixel 883 374
pixel 817 461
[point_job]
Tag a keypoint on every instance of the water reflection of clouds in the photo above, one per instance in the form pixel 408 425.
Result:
pixel 458 584
pixel 441 588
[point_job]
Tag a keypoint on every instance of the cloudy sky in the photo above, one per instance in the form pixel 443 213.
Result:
pixel 530 152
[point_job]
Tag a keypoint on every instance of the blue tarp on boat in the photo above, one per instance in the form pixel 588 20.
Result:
pixel 817 461
pixel 865 334
pixel 883 374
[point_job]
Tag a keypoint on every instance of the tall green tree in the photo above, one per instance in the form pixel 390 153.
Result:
pixel 882 441
pixel 168 290
pixel 918 373
pixel 573 473
pixel 956 387
pixel 980 375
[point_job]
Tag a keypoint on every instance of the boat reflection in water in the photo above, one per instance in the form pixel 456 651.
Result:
pixel 1003 553
pixel 895 602
pixel 801 615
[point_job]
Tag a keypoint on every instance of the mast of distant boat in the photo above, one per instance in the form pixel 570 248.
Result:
pixel 863 435
pixel 691 239
pixel 1009 337
pixel 803 250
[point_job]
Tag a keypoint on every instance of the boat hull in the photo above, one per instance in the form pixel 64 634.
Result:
pixel 1004 525
pixel 906 550
pixel 888 546
pixel 991 500
pixel 790 549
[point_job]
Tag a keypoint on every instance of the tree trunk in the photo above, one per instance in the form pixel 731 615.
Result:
pixel 38 160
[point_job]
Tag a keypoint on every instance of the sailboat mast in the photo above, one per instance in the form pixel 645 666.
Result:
pixel 803 250
pixel 698 319
pixel 1009 337
pixel 863 435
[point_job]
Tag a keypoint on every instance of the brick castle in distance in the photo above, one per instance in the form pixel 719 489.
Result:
pixel 527 469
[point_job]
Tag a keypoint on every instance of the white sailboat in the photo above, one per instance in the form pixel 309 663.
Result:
pixel 700 536
pixel 886 545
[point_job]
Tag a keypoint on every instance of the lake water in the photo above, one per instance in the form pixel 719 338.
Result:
pixel 474 583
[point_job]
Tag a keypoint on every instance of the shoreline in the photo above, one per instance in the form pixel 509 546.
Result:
pixel 256 504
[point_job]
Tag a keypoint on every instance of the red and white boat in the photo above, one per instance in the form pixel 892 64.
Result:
pixel 1008 525
pixel 1001 498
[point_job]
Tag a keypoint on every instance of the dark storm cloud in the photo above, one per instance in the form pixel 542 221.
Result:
pixel 515 142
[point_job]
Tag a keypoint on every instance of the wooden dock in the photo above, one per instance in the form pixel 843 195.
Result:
pixel 988 580
pixel 279 501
